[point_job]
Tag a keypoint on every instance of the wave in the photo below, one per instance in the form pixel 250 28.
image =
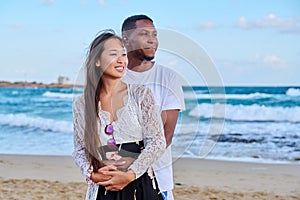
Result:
pixel 278 94
pixel 23 120
pixel 247 113
pixel 255 95
pixel 293 92
pixel 59 95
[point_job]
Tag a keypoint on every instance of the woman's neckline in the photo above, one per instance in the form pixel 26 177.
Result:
pixel 116 113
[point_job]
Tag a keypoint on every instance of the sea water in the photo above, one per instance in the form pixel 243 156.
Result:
pixel 260 124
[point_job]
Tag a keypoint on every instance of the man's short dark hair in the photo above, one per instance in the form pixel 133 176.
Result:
pixel 129 23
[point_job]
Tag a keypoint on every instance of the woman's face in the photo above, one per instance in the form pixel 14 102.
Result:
pixel 113 59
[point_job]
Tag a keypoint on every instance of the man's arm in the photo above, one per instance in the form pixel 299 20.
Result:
pixel 169 118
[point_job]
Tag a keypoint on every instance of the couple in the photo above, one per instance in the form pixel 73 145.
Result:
pixel 122 129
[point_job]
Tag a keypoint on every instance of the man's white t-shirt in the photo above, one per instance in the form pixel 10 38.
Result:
pixel 167 91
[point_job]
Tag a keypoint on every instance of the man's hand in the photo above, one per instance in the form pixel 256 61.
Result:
pixel 118 179
pixel 121 165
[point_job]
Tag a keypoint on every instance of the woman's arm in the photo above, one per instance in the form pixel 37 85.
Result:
pixel 79 153
pixel 153 132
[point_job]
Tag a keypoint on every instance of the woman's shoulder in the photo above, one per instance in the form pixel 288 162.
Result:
pixel 138 89
pixel 78 98
pixel 140 93
pixel 78 101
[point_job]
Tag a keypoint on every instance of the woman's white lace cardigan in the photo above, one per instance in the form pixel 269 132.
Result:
pixel 137 120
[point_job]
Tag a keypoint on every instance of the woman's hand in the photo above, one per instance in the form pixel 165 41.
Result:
pixel 121 165
pixel 99 176
pixel 119 179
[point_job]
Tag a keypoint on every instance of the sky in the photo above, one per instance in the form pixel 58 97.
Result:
pixel 249 42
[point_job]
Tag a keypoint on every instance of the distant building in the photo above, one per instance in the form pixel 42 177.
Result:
pixel 63 80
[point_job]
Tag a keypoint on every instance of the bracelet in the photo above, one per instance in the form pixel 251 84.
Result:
pixel 89 175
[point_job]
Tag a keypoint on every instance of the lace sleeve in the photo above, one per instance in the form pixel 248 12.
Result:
pixel 153 134
pixel 79 154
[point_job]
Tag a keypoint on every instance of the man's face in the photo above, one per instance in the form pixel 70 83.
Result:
pixel 143 40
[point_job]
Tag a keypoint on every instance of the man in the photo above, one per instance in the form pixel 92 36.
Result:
pixel 140 38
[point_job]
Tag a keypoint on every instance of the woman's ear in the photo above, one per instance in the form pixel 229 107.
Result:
pixel 98 63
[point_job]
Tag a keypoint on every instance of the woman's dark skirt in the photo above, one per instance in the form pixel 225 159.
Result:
pixel 140 189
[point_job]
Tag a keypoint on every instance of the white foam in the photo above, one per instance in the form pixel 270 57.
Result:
pixel 255 95
pixel 58 95
pixel 293 92
pixel 248 112
pixel 20 120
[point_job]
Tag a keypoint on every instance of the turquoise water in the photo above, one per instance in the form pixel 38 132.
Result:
pixel 260 123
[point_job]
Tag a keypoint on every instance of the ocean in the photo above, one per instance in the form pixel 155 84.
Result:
pixel 259 124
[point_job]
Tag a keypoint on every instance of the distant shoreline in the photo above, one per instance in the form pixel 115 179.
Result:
pixel 25 84
pixel 34 84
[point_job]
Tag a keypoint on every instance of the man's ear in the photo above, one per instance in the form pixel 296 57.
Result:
pixel 98 64
pixel 125 39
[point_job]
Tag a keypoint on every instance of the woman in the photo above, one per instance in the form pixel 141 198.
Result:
pixel 114 122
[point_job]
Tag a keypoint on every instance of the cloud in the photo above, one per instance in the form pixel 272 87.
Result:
pixel 242 22
pixel 102 3
pixel 274 62
pixel 271 59
pixel 47 2
pixel 284 25
pixel 16 26
pixel 206 26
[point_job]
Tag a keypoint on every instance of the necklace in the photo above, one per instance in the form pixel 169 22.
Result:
pixel 109 129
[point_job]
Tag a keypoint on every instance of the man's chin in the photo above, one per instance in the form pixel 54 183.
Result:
pixel 148 58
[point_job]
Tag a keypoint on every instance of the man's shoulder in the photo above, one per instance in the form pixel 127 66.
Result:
pixel 164 68
pixel 166 72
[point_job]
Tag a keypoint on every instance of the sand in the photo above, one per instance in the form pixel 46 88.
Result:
pixel 57 177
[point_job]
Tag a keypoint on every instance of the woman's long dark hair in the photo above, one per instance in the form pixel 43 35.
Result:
pixel 92 97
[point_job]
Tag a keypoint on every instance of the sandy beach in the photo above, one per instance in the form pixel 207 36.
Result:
pixel 57 177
